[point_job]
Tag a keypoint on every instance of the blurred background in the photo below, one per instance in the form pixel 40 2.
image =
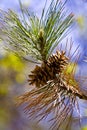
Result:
pixel 14 72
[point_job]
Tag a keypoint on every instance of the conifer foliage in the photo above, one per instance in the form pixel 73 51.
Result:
pixel 54 87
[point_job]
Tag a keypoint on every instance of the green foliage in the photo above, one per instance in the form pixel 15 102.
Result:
pixel 69 72
pixel 28 35
pixel 12 62
pixel 84 128
pixel 11 69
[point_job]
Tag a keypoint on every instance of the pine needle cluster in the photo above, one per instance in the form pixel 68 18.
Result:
pixel 54 87
pixel 28 35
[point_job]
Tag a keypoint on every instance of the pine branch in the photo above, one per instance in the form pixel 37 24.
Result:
pixel 55 88
pixel 28 35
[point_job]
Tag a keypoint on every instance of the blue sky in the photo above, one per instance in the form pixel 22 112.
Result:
pixel 78 6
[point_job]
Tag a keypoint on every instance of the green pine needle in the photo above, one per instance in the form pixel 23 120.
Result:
pixel 28 35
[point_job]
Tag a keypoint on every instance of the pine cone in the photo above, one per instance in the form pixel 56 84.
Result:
pixel 49 69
